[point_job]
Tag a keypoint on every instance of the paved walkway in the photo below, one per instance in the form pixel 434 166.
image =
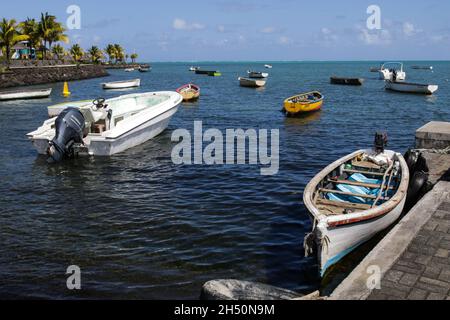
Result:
pixel 413 258
pixel 423 270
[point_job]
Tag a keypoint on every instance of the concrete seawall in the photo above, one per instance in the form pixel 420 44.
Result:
pixel 25 76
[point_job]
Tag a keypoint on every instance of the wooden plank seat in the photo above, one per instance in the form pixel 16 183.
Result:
pixel 345 205
pixel 351 194
pixel 359 184
pixel 378 174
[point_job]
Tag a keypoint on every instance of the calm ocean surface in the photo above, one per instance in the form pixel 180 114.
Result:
pixel 142 227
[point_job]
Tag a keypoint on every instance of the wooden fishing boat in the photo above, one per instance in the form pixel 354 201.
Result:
pixel 302 103
pixel 189 92
pixel 257 75
pixel 122 84
pixel 145 68
pixel 25 94
pixel 210 73
pixel 353 199
pixel 422 67
pixel 409 87
pixel 347 81
pixel 251 83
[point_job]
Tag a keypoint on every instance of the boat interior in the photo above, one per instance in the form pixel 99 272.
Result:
pixel 307 97
pixel 358 185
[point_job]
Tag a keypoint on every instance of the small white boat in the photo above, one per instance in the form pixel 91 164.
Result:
pixel 129 69
pixel 122 84
pixel 392 71
pixel 194 68
pixel 251 83
pixel 353 199
pixel 25 94
pixel 55 110
pixel 267 66
pixel 257 75
pixel 106 127
pixel 409 87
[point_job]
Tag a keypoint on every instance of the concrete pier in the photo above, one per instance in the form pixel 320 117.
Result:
pixel 413 259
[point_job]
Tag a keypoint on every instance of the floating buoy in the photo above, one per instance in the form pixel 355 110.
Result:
pixel 66 91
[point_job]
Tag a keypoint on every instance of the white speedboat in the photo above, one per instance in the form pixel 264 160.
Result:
pixel 392 71
pixel 106 127
pixel 25 94
pixel 409 87
pixel 353 199
pixel 122 84
pixel 129 69
pixel 194 68
pixel 268 66
pixel 257 75
pixel 252 83
pixel 55 110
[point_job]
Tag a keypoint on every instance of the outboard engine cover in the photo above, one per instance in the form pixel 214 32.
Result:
pixel 69 128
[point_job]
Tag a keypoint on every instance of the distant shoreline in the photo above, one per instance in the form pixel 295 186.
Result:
pixel 32 75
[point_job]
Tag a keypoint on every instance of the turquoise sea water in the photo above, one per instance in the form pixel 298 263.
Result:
pixel 141 227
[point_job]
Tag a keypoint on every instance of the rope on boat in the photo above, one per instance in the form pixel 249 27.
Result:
pixel 383 184
pixel 309 240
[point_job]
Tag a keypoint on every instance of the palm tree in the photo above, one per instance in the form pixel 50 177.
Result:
pixel 51 31
pixel 30 28
pixel 76 52
pixel 96 54
pixel 9 36
pixel 133 57
pixel 59 51
pixel 120 53
pixel 111 52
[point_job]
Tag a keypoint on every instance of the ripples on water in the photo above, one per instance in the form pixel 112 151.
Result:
pixel 141 227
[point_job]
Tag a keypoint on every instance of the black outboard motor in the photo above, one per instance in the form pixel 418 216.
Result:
pixel 69 130
pixel 380 143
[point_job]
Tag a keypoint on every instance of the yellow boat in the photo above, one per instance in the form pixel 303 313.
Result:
pixel 302 103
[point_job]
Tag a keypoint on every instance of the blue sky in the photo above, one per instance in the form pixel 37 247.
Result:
pixel 175 30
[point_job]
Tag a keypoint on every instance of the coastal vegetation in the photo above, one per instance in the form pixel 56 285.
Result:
pixel 44 39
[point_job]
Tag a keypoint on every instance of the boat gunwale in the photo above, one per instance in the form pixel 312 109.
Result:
pixel 346 219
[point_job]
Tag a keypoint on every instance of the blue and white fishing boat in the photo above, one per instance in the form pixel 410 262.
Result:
pixel 353 199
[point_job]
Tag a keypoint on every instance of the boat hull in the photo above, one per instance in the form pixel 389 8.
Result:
pixel 347 81
pixel 257 75
pixel 19 95
pixel 122 84
pixel 411 87
pixel 251 83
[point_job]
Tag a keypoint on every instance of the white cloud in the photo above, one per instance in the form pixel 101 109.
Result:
pixel 284 40
pixel 221 28
pixel 268 30
pixel 180 24
pixel 408 29
pixel 377 37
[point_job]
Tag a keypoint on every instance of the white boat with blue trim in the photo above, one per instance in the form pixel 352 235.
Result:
pixel 353 199
pixel 106 127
